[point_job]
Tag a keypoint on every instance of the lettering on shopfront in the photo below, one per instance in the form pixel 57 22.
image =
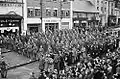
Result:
pixel 9 20
pixel 50 21
pixel 10 3
pixel 9 0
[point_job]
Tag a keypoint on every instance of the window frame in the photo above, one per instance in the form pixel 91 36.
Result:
pixel 55 14
pixel 67 14
pixel 39 11
pixel 29 14
pixel 48 13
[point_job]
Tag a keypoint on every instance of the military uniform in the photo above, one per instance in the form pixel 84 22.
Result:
pixel 3 67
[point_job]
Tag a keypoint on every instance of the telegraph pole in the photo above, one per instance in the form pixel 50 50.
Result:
pixel 71 14
pixel 61 13
pixel 22 25
pixel 41 7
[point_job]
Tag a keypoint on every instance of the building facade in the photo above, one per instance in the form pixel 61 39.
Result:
pixel 33 15
pixel 58 14
pixel 117 11
pixel 111 13
pixel 101 6
pixel 47 14
pixel 86 15
pixel 117 14
pixel 106 10
pixel 11 16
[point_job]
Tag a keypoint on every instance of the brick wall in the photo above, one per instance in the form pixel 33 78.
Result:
pixel 33 3
pixel 49 4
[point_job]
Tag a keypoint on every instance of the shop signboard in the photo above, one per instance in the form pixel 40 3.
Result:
pixel 8 20
pixel 50 21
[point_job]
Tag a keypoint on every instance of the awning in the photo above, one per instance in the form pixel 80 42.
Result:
pixel 84 6
pixel 10 16
pixel 2 29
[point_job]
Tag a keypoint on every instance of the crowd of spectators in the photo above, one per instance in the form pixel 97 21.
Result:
pixel 69 54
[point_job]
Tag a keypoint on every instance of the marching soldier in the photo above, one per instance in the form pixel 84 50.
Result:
pixel 3 67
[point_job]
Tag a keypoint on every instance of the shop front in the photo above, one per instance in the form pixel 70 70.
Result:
pixel 79 22
pixel 65 25
pixel 10 24
pixel 51 24
pixel 33 28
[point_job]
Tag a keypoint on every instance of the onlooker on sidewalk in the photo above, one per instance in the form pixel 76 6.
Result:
pixel 3 67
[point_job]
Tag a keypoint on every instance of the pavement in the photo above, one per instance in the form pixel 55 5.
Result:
pixel 22 72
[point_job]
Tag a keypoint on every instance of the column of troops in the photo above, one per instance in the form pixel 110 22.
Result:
pixel 63 49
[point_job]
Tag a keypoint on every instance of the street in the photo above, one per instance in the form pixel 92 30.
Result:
pixel 23 72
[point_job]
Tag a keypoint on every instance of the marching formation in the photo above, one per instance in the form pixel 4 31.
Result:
pixel 69 54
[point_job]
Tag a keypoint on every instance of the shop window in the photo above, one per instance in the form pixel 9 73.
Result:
pixel 33 29
pixel 55 13
pixel 48 12
pixel 37 12
pixel 51 26
pixel 30 12
pixel 67 13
